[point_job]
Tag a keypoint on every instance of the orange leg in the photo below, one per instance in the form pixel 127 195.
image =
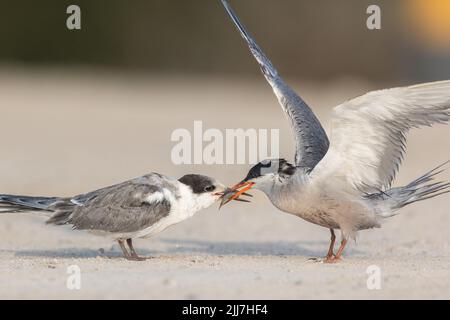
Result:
pixel 330 254
pixel 341 249
pixel 337 257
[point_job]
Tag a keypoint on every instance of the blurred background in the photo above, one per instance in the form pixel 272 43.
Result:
pixel 314 40
pixel 83 109
pixel 86 108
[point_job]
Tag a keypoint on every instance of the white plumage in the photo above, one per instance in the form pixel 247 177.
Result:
pixel 344 183
pixel 368 133
pixel 137 208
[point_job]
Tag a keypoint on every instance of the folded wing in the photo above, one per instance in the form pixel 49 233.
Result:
pixel 126 207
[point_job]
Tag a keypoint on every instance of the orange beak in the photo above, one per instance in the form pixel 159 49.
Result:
pixel 235 192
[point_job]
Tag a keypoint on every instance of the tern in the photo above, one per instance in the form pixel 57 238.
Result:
pixel 345 184
pixel 137 208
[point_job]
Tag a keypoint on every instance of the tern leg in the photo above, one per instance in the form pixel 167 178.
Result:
pixel 126 254
pixel 338 255
pixel 341 249
pixel 330 255
pixel 133 255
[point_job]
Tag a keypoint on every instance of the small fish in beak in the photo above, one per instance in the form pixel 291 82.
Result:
pixel 235 192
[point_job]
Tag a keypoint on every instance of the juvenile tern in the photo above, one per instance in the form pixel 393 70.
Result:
pixel 138 208
pixel 346 185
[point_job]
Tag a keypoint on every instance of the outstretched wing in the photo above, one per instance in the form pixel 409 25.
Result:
pixel 310 138
pixel 127 207
pixel 368 133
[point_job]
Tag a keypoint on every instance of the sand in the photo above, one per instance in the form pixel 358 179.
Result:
pixel 68 133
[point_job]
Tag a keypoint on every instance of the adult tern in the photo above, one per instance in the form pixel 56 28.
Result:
pixel 346 184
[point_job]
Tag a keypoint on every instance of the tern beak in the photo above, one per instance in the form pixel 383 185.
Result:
pixel 221 189
pixel 235 192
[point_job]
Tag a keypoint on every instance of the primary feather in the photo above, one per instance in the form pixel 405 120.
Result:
pixel 368 133
pixel 311 141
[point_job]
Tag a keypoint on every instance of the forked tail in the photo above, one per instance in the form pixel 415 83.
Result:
pixel 422 188
pixel 12 203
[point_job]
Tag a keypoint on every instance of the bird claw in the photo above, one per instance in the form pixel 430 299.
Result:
pixel 138 258
pixel 327 259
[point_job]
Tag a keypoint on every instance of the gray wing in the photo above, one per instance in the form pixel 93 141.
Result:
pixel 310 138
pixel 126 207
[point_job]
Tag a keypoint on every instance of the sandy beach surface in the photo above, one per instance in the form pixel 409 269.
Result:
pixel 68 133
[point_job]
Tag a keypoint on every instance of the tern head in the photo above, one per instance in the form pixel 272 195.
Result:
pixel 202 189
pixel 263 176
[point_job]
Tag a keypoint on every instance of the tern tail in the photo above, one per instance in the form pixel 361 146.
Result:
pixel 15 203
pixel 422 188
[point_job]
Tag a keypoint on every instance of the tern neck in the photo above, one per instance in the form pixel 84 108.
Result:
pixel 282 192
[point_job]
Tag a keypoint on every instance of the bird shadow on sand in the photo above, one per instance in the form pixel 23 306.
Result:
pixel 247 248
pixel 192 246
pixel 75 253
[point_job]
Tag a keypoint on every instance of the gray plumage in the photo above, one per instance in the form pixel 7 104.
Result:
pixel 422 188
pixel 137 208
pixel 311 141
pixel 121 208
pixel 346 184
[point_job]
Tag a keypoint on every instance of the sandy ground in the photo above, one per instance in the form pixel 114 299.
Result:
pixel 64 134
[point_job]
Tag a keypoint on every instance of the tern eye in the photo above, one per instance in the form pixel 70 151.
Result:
pixel 209 188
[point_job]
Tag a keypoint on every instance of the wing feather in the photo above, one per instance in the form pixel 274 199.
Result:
pixel 368 133
pixel 126 207
pixel 311 141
